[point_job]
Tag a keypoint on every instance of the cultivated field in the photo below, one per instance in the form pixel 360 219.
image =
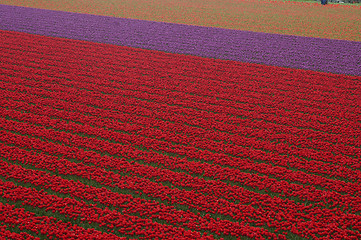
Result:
pixel 117 128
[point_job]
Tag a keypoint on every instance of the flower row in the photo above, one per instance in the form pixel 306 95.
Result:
pixel 121 146
pixel 196 134
pixel 70 168
pixel 245 100
pixel 222 126
pixel 166 177
pixel 124 203
pixel 256 151
pixel 125 135
pixel 49 226
pixel 73 209
pixel 276 79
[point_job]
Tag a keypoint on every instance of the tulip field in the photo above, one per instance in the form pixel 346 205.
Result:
pixel 113 127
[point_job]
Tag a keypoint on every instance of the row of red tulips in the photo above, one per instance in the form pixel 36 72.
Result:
pixel 231 124
pixel 123 202
pixel 5 233
pixel 180 133
pixel 267 111
pixel 123 145
pixel 86 126
pixel 68 168
pixel 242 103
pixel 267 149
pixel 49 226
pixel 207 202
pixel 163 67
pixel 73 209
pixel 240 143
pixel 342 148
pixel 140 181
